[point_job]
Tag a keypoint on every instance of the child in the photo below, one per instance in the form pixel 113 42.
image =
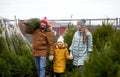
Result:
pixel 60 55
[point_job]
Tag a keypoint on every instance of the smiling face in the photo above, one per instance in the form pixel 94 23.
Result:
pixel 60 45
pixel 42 25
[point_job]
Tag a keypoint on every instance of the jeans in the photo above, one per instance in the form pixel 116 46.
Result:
pixel 40 63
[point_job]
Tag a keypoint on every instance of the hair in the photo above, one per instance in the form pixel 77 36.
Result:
pixel 82 23
pixel 84 29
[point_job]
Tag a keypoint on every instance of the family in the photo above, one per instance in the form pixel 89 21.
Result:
pixel 80 47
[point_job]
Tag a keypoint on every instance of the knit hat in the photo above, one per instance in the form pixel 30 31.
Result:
pixel 44 20
pixel 81 22
pixel 60 39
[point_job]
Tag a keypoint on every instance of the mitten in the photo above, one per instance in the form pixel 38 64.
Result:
pixel 51 57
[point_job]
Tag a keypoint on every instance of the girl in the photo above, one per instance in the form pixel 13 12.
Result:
pixel 60 55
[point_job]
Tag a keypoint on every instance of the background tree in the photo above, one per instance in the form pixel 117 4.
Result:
pixel 104 61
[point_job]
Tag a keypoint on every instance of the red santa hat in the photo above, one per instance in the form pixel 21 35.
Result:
pixel 44 20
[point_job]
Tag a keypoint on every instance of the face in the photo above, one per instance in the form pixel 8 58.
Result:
pixel 60 44
pixel 42 25
pixel 78 26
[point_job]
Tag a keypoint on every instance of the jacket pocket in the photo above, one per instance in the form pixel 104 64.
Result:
pixel 40 47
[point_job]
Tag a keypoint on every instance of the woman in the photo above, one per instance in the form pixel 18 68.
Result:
pixel 81 44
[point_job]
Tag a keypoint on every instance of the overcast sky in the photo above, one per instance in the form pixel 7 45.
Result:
pixel 60 9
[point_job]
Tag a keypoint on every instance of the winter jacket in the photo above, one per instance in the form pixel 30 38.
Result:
pixel 42 41
pixel 60 56
pixel 79 49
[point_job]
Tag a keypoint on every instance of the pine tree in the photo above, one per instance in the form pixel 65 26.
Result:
pixel 102 34
pixel 15 53
pixel 31 25
pixel 105 60
pixel 68 34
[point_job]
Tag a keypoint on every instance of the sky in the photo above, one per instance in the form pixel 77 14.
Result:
pixel 60 9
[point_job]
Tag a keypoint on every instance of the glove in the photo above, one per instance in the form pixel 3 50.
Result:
pixel 71 56
pixel 51 57
pixel 89 49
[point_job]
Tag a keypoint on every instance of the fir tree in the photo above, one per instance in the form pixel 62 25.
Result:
pixel 68 34
pixel 31 25
pixel 104 61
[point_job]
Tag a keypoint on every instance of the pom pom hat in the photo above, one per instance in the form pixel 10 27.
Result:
pixel 60 39
pixel 44 20
pixel 81 22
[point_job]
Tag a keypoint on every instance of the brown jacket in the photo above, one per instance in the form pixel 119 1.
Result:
pixel 42 42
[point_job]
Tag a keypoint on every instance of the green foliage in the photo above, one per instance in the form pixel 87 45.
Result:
pixel 101 35
pixel 115 41
pixel 3 45
pixel 1 30
pixel 16 59
pixel 115 51
pixel 21 46
pixel 49 67
pixel 99 65
pixel 74 73
pixel 68 34
pixel 4 68
pixel 105 59
pixel 31 25
pixel 16 66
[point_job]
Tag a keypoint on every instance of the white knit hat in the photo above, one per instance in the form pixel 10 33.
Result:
pixel 60 39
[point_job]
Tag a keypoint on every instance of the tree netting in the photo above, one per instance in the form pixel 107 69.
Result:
pixel 12 39
pixel 16 59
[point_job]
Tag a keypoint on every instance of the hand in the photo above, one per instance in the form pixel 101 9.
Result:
pixel 89 50
pixel 51 57
pixel 71 56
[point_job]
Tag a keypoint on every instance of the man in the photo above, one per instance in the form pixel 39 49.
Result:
pixel 42 41
pixel 81 44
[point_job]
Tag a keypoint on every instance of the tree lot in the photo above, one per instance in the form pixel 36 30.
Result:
pixel 16 59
